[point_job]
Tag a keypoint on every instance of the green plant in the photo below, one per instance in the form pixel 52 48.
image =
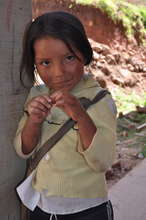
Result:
pixel 143 152
pixel 140 117
pixel 143 14
pixel 131 16
pixel 85 2
pixel 109 7
pixel 127 102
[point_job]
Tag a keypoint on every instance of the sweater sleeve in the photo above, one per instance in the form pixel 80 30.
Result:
pixel 17 139
pixel 101 152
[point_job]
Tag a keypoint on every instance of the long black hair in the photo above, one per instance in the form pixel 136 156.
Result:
pixel 57 24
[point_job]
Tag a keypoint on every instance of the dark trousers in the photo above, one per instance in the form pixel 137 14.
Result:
pixel 101 212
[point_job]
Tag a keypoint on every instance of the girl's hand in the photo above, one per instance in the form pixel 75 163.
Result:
pixel 38 108
pixel 68 103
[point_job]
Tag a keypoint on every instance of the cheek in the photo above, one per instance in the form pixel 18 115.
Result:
pixel 77 67
pixel 79 70
pixel 44 76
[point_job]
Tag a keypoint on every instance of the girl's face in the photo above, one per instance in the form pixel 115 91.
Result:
pixel 57 66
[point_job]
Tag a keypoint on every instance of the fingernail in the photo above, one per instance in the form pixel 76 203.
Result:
pixel 49 100
pixel 53 103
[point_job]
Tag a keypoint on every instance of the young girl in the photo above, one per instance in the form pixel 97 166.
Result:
pixel 69 182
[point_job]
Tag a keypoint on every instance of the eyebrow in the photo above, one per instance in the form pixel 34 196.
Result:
pixel 47 58
pixel 37 58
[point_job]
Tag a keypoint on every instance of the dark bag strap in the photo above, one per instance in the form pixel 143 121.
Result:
pixel 62 131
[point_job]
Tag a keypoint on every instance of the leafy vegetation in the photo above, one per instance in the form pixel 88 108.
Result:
pixel 143 13
pixel 128 122
pixel 127 102
pixel 143 152
pixel 133 17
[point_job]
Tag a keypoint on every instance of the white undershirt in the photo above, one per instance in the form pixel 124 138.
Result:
pixel 54 205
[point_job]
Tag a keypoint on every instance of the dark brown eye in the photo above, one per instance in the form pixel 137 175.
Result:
pixel 70 57
pixel 45 63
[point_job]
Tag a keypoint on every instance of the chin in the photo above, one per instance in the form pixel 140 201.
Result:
pixel 66 87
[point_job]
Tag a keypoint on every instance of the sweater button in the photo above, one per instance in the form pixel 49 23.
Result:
pixel 47 157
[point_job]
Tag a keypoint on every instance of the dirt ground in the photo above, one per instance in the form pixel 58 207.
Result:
pixel 131 145
pixel 118 63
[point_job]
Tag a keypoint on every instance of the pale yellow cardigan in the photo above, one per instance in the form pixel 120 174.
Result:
pixel 69 171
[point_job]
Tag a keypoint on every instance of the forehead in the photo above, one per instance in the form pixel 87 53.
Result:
pixel 51 46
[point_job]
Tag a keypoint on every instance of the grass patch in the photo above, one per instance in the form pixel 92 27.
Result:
pixel 132 17
pixel 144 150
pixel 143 13
pixel 127 133
pixel 127 102
pixel 140 117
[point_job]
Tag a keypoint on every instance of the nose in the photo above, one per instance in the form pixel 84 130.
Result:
pixel 58 70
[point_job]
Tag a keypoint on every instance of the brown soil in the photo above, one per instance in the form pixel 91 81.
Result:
pixel 101 29
pixel 131 148
pixel 98 26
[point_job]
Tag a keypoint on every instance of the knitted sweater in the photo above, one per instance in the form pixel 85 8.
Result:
pixel 67 170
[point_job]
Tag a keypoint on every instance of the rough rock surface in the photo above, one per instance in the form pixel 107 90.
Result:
pixel 118 68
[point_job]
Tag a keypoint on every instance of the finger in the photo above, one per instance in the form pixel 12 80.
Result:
pixel 40 106
pixel 47 102
pixel 56 96
pixel 40 112
pixel 60 103
pixel 47 97
pixel 36 111
pixel 37 104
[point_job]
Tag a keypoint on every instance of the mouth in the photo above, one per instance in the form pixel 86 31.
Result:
pixel 57 81
pixel 67 85
pixel 62 82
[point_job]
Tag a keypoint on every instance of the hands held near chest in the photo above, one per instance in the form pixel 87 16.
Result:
pixel 68 103
pixel 40 106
